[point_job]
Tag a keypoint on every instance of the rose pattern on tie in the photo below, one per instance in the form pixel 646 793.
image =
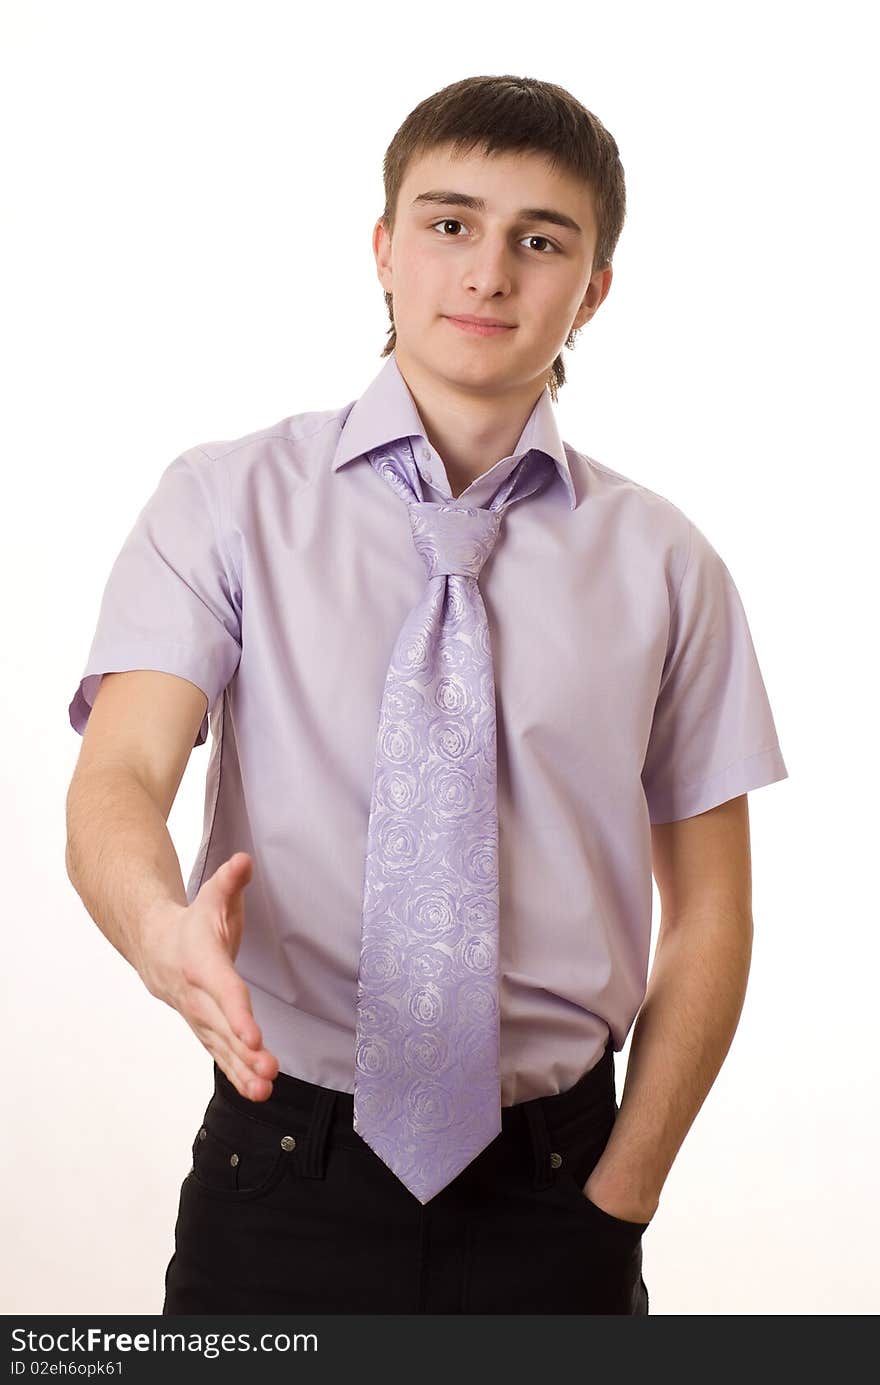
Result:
pixel 427 1090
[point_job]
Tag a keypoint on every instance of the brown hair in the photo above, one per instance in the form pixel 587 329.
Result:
pixel 514 114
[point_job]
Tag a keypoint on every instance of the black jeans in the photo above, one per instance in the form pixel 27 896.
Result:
pixel 287 1210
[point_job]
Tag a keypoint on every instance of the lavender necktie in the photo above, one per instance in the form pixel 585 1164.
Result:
pixel 427 1087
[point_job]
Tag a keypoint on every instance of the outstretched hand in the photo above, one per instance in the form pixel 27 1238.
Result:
pixel 187 961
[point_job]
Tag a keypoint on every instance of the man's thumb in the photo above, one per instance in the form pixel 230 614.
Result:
pixel 234 873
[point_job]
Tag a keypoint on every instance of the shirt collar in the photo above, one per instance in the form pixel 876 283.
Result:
pixel 387 411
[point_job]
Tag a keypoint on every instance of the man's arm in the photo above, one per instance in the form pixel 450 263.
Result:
pixel 122 863
pixel 692 1006
pixel 120 857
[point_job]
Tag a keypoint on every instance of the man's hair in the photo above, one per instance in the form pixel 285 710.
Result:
pixel 510 114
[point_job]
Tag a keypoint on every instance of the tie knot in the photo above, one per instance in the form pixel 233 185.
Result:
pixel 453 540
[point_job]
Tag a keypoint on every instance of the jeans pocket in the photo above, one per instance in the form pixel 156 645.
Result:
pixel 578 1154
pixel 237 1157
pixel 629 1233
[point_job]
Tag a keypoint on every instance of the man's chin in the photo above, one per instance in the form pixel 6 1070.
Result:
pixel 461 363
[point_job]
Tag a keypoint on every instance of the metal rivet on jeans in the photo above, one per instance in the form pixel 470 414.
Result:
pixel 288 1142
pixel 202 1133
pixel 233 1159
pixel 555 1160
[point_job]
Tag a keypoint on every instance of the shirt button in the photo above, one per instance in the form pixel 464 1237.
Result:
pixel 426 454
pixel 202 1133
pixel 555 1160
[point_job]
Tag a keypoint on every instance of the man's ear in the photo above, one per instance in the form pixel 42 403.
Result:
pixel 382 254
pixel 596 293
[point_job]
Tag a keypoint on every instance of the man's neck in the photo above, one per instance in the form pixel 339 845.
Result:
pixel 469 432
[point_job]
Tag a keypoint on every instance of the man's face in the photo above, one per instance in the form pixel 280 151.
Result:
pixel 446 259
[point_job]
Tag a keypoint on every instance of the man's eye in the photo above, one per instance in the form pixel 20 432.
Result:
pixel 453 221
pixel 545 240
pixel 446 221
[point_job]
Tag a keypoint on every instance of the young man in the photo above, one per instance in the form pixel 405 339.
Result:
pixel 467 686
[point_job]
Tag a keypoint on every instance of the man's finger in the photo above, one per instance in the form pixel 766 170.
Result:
pixel 233 875
pixel 238 1071
pixel 205 1012
pixel 212 971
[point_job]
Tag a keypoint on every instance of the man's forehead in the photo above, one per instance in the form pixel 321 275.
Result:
pixel 526 163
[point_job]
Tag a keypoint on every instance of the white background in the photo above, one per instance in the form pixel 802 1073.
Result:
pixel 188 194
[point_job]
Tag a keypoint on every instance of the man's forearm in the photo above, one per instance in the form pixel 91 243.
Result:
pixel 120 858
pixel 680 1039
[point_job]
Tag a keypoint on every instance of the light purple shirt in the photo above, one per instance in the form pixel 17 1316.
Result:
pixel 275 571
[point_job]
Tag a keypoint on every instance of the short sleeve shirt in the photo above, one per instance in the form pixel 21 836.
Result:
pixel 274 571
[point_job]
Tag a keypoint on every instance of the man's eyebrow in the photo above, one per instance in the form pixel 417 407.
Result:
pixel 477 204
